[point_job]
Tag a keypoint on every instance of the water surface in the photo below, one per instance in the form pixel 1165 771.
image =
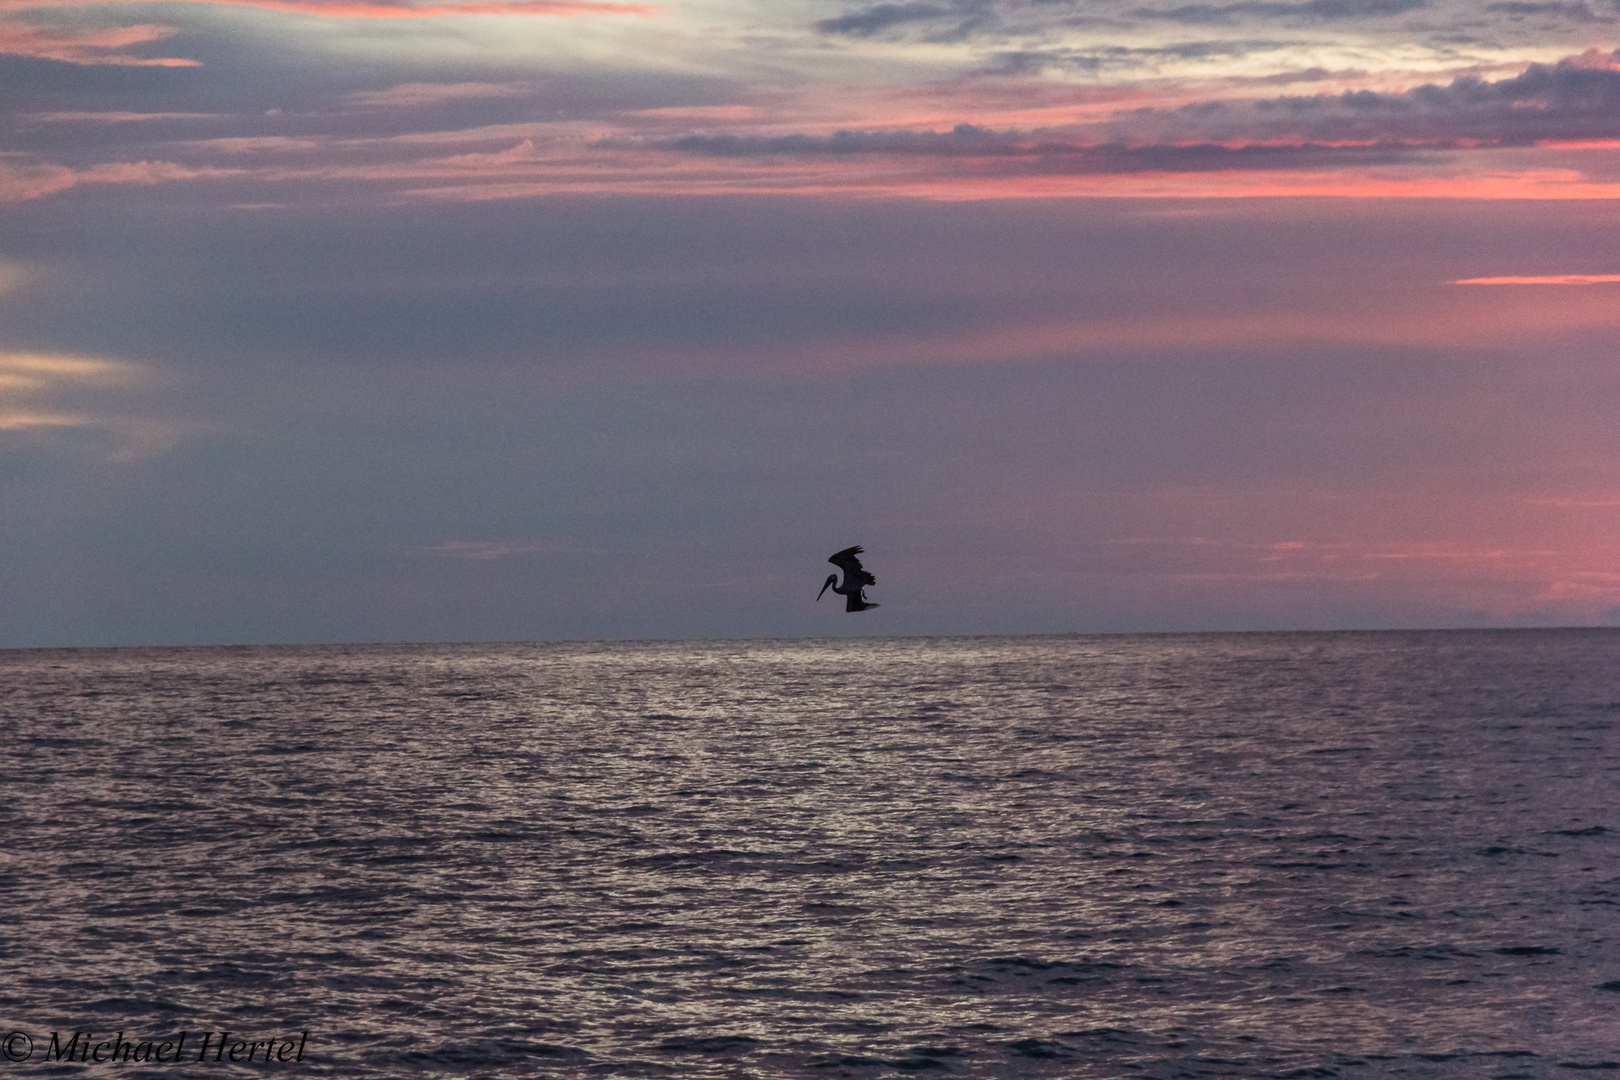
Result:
pixel 1358 855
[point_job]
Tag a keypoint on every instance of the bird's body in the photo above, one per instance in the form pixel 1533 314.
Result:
pixel 856 579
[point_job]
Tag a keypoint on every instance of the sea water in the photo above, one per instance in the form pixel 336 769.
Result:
pixel 1248 855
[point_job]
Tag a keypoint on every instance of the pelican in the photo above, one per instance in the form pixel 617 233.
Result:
pixel 856 579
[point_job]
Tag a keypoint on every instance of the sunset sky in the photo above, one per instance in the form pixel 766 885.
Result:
pixel 338 320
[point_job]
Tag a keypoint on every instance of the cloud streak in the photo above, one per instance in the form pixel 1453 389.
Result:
pixel 108 47
pixel 1555 279
pixel 416 95
pixel 86 47
pixel 29 373
pixel 960 20
pixel 386 9
pixel 42 394
pixel 1272 11
pixel 22 183
pixel 1577 98
pixel 490 550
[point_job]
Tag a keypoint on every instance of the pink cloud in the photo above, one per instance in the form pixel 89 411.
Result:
pixel 19 183
pixel 116 117
pixel 86 46
pixel 1558 279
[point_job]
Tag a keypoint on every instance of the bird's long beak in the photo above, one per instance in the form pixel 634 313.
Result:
pixel 830 581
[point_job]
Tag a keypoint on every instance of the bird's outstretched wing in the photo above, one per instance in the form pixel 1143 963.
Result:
pixel 854 572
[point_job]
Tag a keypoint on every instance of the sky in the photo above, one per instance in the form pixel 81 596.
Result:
pixel 385 320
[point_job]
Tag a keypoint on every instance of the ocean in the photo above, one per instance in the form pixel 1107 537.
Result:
pixel 1213 855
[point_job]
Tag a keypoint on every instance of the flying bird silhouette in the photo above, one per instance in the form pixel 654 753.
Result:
pixel 856 579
